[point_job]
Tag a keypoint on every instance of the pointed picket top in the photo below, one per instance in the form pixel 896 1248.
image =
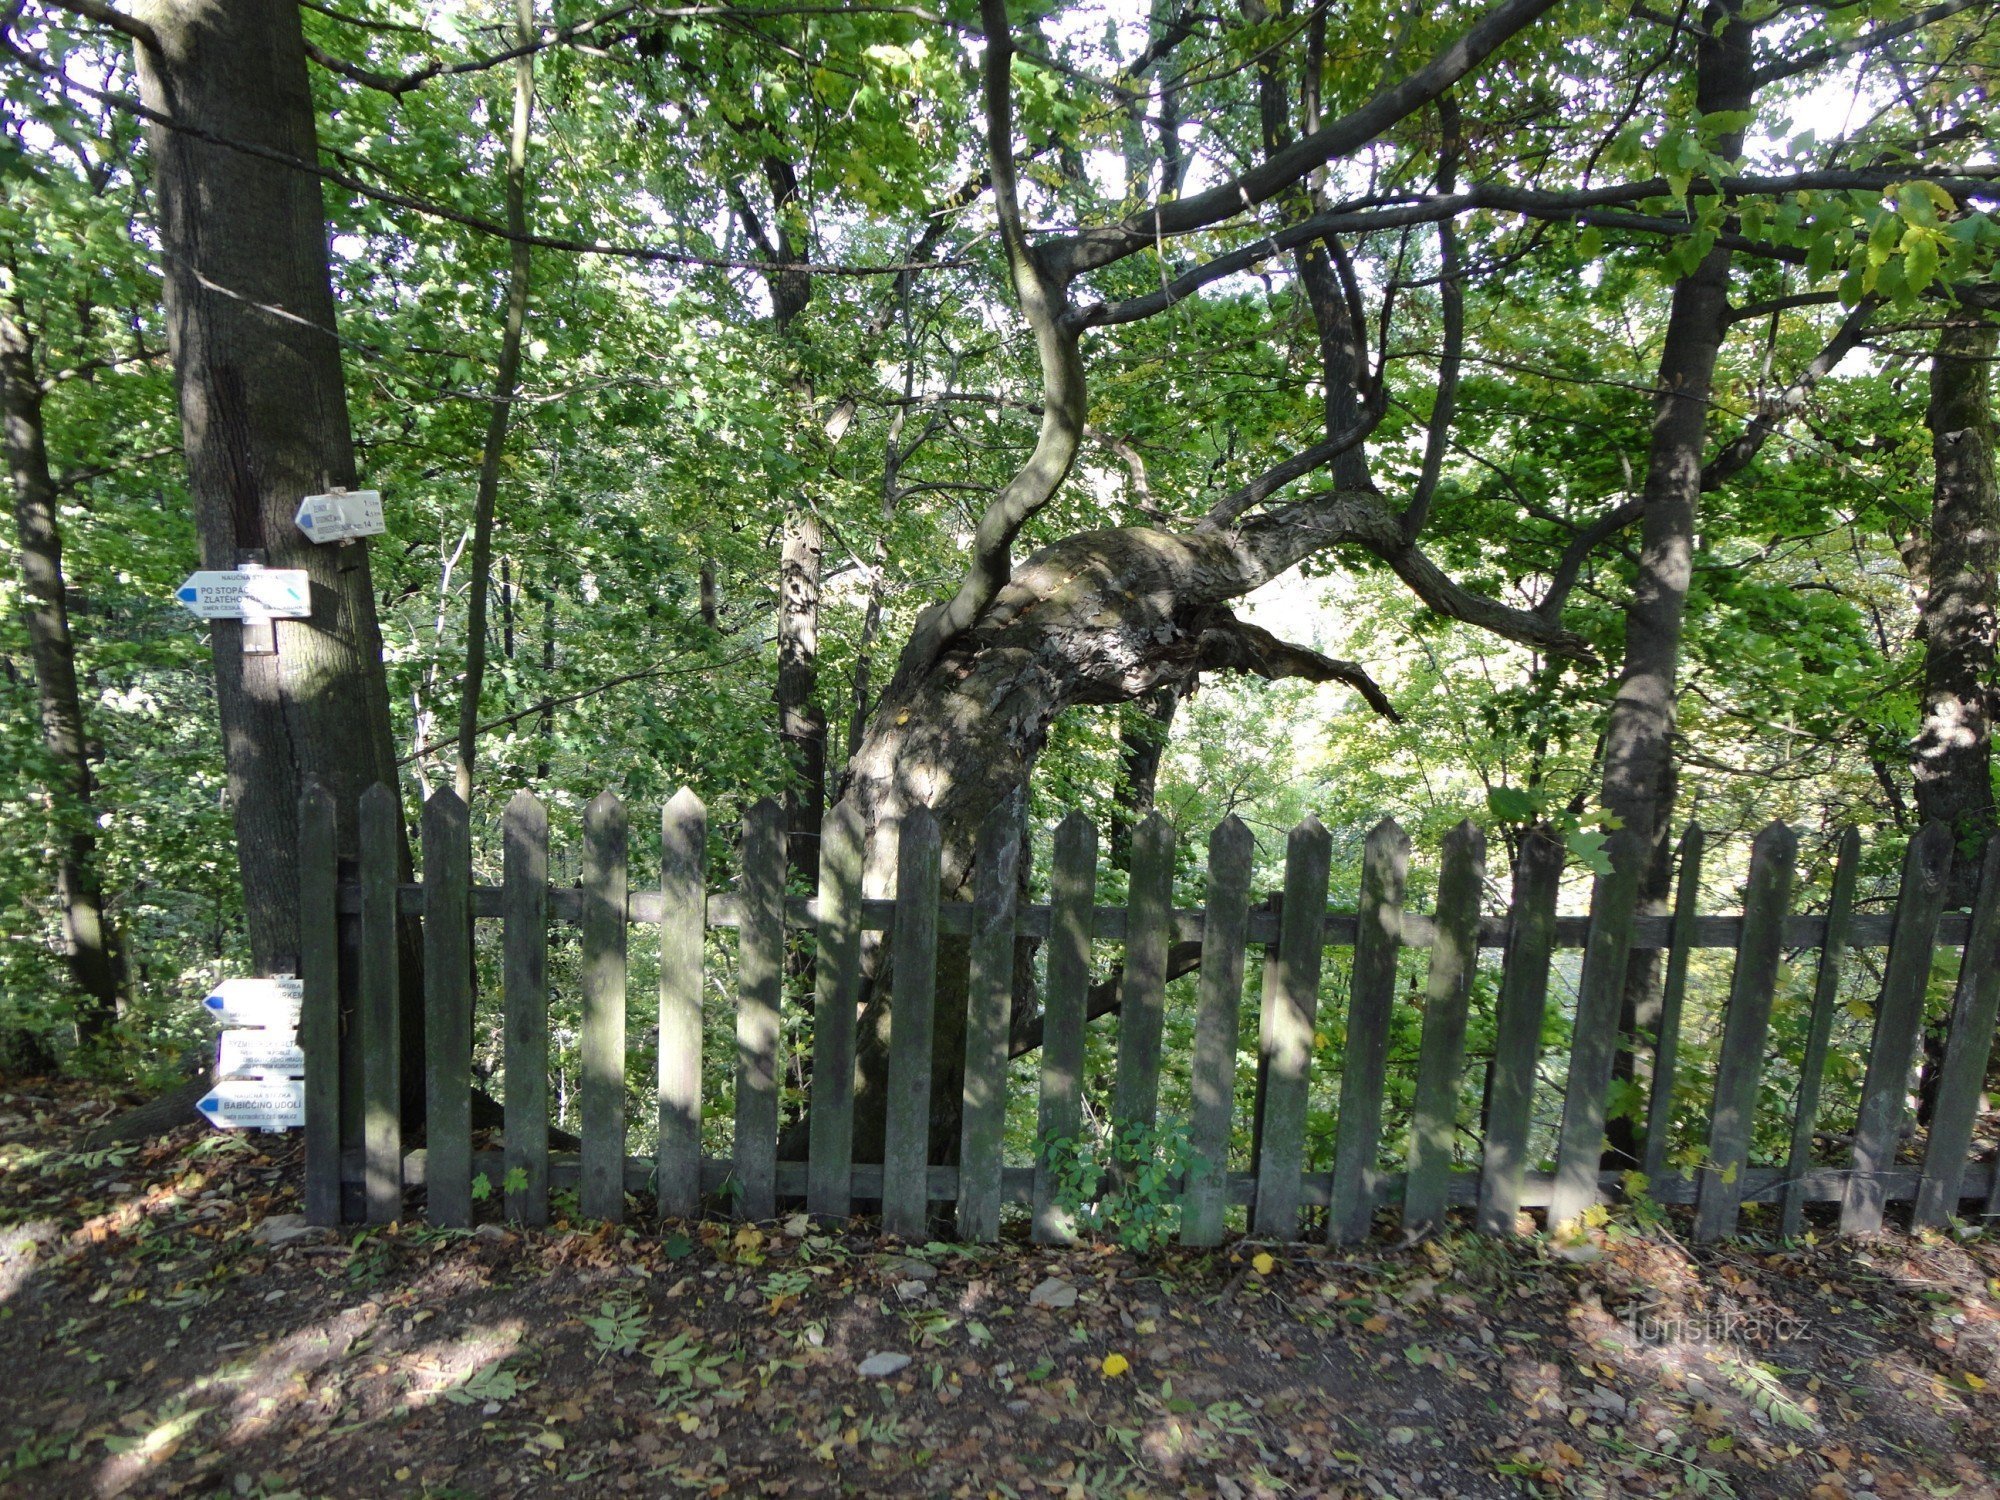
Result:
pixel 378 797
pixel 1308 831
pixel 1232 834
pixel 1465 834
pixel 314 795
pixel 1155 825
pixel 447 802
pixel 605 804
pixel 1388 832
pixel 1076 825
pixel 684 804
pixel 1692 838
pixel 1774 840
pixel 526 808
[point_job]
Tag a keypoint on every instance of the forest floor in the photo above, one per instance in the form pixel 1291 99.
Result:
pixel 155 1344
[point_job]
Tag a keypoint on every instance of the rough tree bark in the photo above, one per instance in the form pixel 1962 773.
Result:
pixel 1952 759
pixel 256 356
pixel 95 960
pixel 1639 781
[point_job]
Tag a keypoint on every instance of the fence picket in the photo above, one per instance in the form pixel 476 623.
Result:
pixel 602 1191
pixel 1142 992
pixel 1819 1033
pixel 1517 1029
pixel 760 962
pixel 1599 993
pixel 683 920
pixel 447 1011
pixel 1212 1083
pixel 525 999
pixel 1673 995
pixel 1899 1016
pixel 1285 1041
pixel 1072 898
pixel 912 1026
pixel 1441 1055
pixel 989 1010
pixel 1385 866
pixel 381 1033
pixel 1767 896
pixel 319 1006
pixel 1968 1045
pixel 837 976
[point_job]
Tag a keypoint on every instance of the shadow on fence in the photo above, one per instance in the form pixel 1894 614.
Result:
pixel 907 1183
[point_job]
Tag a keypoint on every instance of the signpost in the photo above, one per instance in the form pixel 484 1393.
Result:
pixel 255 1104
pixel 257 1002
pixel 342 515
pixel 258 1054
pixel 254 594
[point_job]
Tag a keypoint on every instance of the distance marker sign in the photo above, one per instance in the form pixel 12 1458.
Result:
pixel 258 1054
pixel 344 514
pixel 248 594
pixel 257 1002
pixel 255 1104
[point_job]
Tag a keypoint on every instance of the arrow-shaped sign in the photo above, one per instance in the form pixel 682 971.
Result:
pixel 257 1002
pixel 258 1054
pixel 255 1104
pixel 343 514
pixel 248 594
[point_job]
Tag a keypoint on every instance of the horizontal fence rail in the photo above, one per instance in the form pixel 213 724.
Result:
pixel 358 939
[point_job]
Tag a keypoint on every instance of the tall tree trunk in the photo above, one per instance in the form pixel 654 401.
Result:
pixel 505 374
pixel 1142 744
pixel 1957 567
pixel 96 965
pixel 1952 759
pixel 256 356
pixel 1638 740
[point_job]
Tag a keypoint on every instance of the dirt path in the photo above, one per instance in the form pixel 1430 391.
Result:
pixel 154 1346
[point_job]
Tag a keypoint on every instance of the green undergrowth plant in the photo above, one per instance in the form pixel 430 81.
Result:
pixel 1125 1186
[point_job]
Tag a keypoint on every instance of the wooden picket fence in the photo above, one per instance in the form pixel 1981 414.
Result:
pixel 355 924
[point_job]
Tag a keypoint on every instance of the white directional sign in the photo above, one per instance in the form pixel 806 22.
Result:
pixel 255 1104
pixel 345 513
pixel 258 1054
pixel 257 1002
pixel 248 594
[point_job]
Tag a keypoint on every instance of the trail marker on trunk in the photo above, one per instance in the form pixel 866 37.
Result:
pixel 257 1002
pixel 341 515
pixel 255 1104
pixel 255 594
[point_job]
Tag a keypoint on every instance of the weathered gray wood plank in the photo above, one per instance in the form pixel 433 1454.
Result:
pixel 837 978
pixel 1968 1045
pixel 1819 1033
pixel 525 1001
pixel 381 1008
pixel 319 1006
pixel 1285 1029
pixel 989 1012
pixel 447 1010
pixel 1673 997
pixel 1517 1040
pixel 1441 1056
pixel 912 1027
pixel 1767 894
pixel 604 975
pixel 1385 867
pixel 683 901
pixel 1899 1017
pixel 1219 997
pixel 1142 997
pixel 760 960
pixel 1059 1118
pixel 1594 1039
